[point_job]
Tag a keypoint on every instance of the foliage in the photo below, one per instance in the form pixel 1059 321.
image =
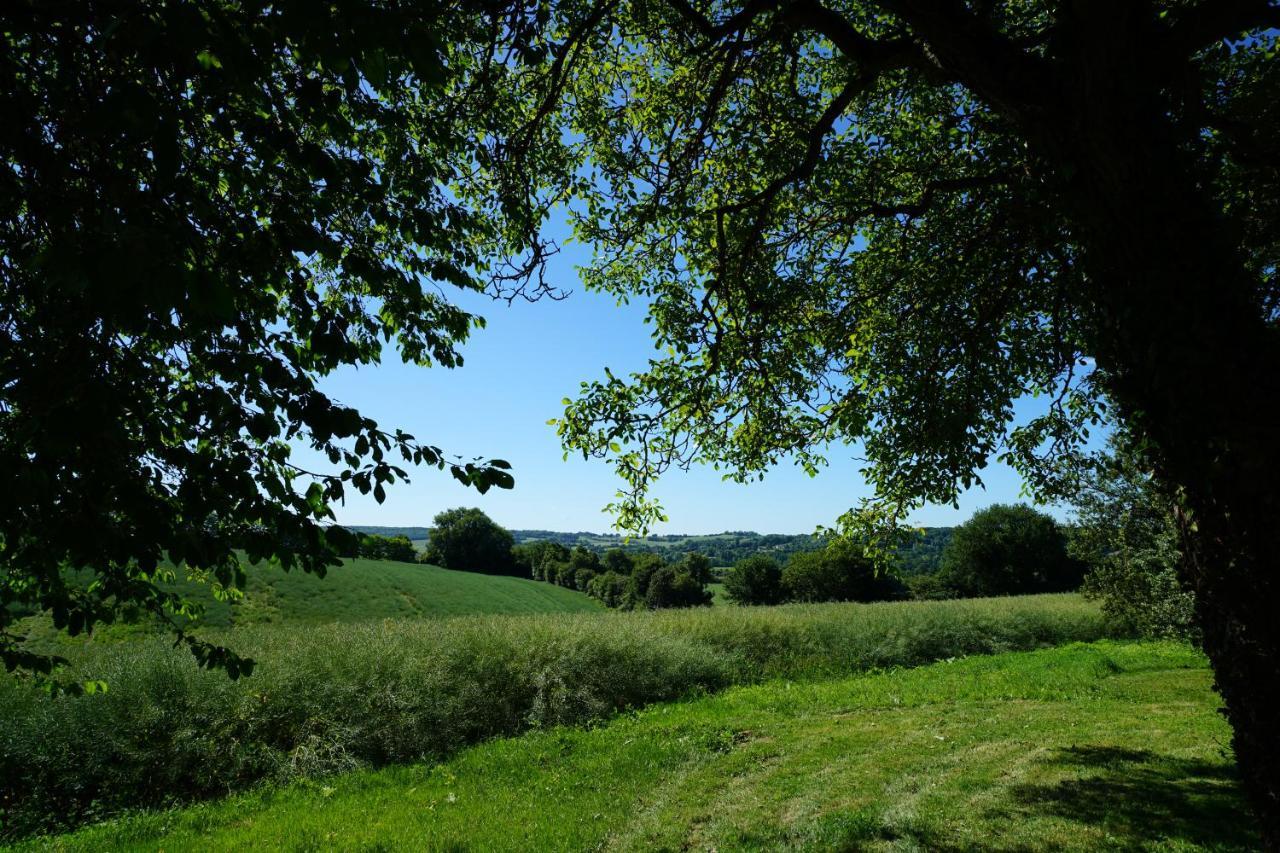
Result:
pixel 673 586
pixel 1009 549
pixel 536 559
pixel 468 540
pixel 755 580
pixel 610 589
pixel 374 547
pixel 1128 538
pixel 202 210
pixel 327 698
pixel 839 572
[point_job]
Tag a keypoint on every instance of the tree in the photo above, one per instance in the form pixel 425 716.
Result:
pixel 755 580
pixel 839 572
pixel 609 588
pixel 672 586
pixel 1129 539
pixel 468 540
pixel 376 547
pixel 884 221
pixel 697 566
pixel 1009 549
pixel 533 559
pixel 617 561
pixel 205 207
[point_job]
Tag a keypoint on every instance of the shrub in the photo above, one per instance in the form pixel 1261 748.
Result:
pixel 755 580
pixel 1009 550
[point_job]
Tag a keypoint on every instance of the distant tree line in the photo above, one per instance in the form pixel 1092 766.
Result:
pixel 1121 551
pixel 619 578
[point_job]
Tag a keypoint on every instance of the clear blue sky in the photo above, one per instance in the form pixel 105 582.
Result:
pixel 517 370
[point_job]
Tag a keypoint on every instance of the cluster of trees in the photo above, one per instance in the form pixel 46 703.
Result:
pixel 619 578
pixel 838 572
pixel 373 546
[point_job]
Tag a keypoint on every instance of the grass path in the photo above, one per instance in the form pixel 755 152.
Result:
pixel 1090 746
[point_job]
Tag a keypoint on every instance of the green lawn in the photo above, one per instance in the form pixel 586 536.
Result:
pixel 1085 747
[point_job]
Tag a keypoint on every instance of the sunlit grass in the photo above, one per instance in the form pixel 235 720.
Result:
pixel 1101 746
pixel 337 697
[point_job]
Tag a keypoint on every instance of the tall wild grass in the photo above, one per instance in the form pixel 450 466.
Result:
pixel 332 698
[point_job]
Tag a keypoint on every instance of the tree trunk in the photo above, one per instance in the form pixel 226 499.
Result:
pixel 1194 366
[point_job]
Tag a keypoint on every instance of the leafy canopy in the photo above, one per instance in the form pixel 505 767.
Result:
pixel 204 207
pixel 855 222
pixel 1009 549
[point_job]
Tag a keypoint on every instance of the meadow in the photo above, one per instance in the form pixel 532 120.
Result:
pixel 1106 745
pixel 332 698
pixel 360 590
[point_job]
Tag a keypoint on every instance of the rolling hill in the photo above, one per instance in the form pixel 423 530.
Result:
pixel 378 589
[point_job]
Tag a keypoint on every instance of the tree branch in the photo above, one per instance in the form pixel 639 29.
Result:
pixel 1214 20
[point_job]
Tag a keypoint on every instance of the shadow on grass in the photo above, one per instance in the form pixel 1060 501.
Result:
pixel 1139 796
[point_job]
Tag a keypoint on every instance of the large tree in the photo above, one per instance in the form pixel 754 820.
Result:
pixel 1009 549
pixel 884 221
pixel 204 207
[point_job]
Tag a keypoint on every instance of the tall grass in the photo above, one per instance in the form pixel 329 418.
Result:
pixel 330 698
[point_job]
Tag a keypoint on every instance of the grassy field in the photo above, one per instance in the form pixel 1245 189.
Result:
pixel 359 591
pixel 327 698
pixel 1086 747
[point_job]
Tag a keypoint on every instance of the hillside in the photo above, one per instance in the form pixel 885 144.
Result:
pixel 1086 747
pixel 378 589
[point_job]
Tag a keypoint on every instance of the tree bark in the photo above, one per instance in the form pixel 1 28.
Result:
pixel 1194 366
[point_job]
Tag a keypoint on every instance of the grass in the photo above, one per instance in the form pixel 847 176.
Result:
pixel 361 590
pixel 1099 746
pixel 357 591
pixel 337 697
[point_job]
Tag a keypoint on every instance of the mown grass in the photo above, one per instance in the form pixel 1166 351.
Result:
pixel 1086 747
pixel 332 698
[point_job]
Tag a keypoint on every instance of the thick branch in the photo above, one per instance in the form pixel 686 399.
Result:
pixel 1214 20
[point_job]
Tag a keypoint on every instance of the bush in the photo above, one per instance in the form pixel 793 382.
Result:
pixel 332 698
pixel 755 580
pixel 839 572
pixel 468 540
pixel 1009 550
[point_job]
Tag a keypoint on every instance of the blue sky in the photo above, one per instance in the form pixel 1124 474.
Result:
pixel 517 370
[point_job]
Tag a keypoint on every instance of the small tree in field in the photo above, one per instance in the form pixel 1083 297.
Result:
pixel 755 580
pixel 469 540
pixel 1009 550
